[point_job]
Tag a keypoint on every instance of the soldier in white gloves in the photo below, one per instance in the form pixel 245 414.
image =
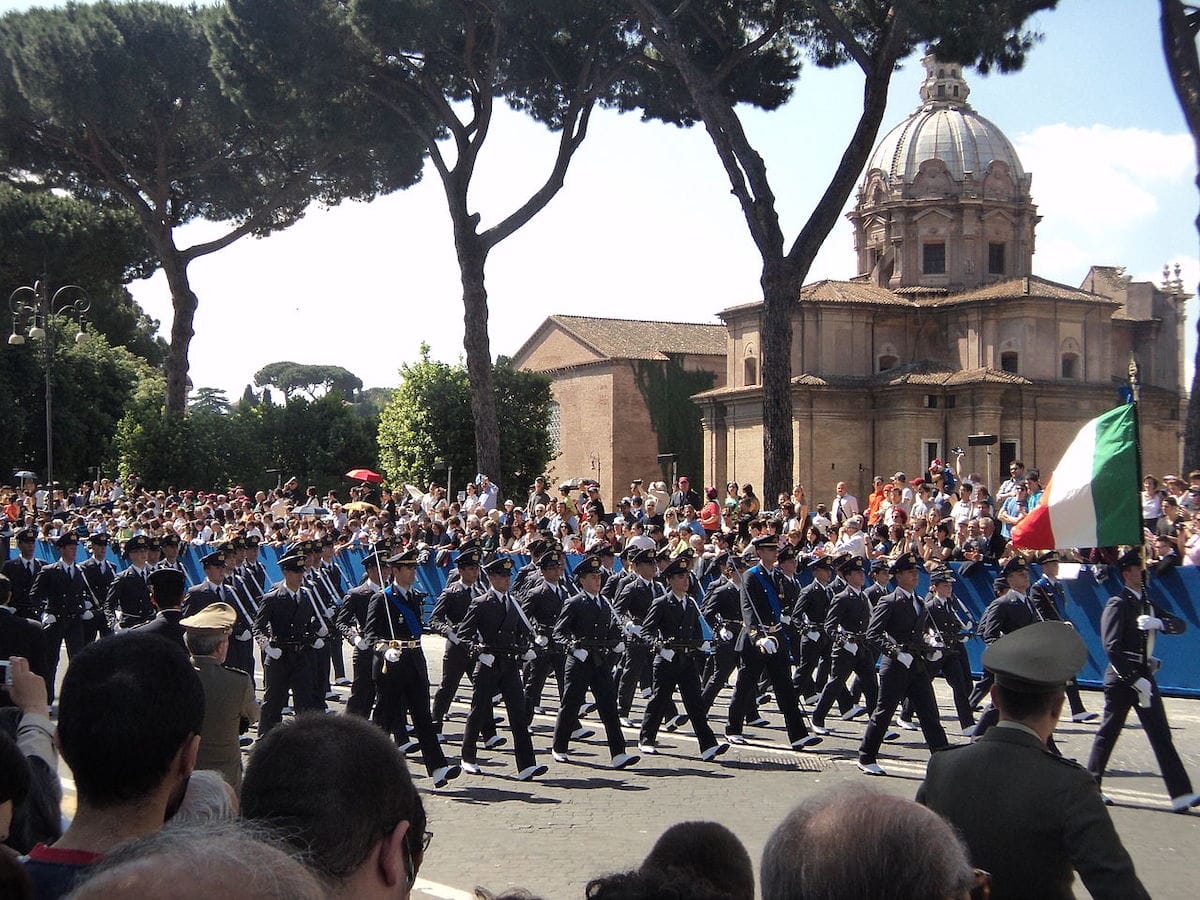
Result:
pixel 286 627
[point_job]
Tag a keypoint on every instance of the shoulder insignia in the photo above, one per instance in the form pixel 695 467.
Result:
pixel 236 670
pixel 1066 761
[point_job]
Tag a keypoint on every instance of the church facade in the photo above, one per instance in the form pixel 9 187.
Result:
pixel 946 332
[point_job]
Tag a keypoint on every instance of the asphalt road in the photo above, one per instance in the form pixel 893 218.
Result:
pixel 583 819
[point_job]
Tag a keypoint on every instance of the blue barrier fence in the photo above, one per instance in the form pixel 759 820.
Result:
pixel 1178 592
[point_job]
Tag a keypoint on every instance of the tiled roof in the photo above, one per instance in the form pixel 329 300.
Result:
pixel 633 339
pixel 829 291
pixel 1015 288
pixel 926 372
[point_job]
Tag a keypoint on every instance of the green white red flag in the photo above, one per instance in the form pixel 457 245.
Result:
pixel 1092 499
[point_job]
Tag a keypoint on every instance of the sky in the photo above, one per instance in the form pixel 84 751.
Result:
pixel 645 227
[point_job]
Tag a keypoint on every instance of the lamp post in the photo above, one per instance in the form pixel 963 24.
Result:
pixel 34 307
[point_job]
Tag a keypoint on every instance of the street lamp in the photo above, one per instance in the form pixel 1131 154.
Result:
pixel 34 306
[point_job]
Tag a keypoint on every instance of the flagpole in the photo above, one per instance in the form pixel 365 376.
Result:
pixel 1135 390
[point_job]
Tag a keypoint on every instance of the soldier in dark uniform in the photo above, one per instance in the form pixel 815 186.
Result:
pixel 541 604
pixel 947 633
pixel 846 623
pixel 1028 816
pixel 604 552
pixel 286 626
pixel 60 591
pixel 1129 628
pixel 351 623
pixel 215 589
pixel 99 573
pixel 632 603
pixel 20 571
pixel 19 637
pixel 877 588
pixel 589 629
pixel 153 552
pixel 331 576
pixel 169 543
pixel 502 638
pixel 676 629
pixel 1010 611
pixel 447 614
pixel 254 570
pixel 809 612
pixel 166 593
pixel 529 573
pixel 401 673
pixel 614 583
pixel 1051 600
pixel 762 647
pixel 897 629
pixel 325 603
pixel 128 601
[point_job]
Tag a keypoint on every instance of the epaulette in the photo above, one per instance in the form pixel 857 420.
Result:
pixel 235 670
pixel 1066 761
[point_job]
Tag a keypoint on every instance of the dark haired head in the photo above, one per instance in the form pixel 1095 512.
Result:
pixel 128 705
pixel 704 852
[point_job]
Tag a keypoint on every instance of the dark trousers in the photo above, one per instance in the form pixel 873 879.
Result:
pixel 456 662
pixel 536 673
pixel 896 683
pixel 720 666
pixel 96 627
pixel 683 672
pixel 403 686
pixel 293 671
pixel 957 672
pixel 1074 698
pixel 633 664
pixel 68 631
pixel 1119 698
pixel 982 688
pixel 320 673
pixel 362 692
pixel 861 664
pixel 241 656
pixel 503 678
pixel 812 672
pixel 334 643
pixel 594 673
pixel 755 663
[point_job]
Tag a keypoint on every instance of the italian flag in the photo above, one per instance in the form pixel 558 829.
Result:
pixel 1092 499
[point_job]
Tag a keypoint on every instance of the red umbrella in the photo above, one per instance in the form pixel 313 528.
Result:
pixel 365 475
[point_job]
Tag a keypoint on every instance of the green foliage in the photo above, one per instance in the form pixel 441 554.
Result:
pixel 667 387
pixel 210 400
pixel 429 419
pixel 291 377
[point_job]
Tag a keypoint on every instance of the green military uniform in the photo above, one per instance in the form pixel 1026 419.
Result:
pixel 229 707
pixel 1028 816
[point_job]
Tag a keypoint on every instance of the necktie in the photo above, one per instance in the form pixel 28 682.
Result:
pixel 29 565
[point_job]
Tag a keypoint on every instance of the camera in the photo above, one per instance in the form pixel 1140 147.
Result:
pixel 957 451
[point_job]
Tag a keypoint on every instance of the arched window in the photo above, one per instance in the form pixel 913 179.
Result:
pixel 888 362
pixel 750 367
pixel 1009 361
pixel 554 425
pixel 1070 365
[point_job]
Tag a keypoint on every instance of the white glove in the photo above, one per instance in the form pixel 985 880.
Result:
pixel 666 653
pixel 48 619
pixel 362 644
pixel 1150 623
pixel 87 604
pixel 620 648
pixel 635 629
pixel 726 634
pixel 706 647
pixel 850 647
pixel 813 635
pixel 318 644
pixel 530 655
pixel 1145 692
pixel 245 635
pixel 905 659
pixel 935 655
pixel 391 654
pixel 87 614
pixel 487 659
pixel 767 645
pixel 786 620
pixel 453 637
pixel 542 641
pixel 322 631
pixel 274 652
pixel 580 654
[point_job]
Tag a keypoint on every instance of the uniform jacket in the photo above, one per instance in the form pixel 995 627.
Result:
pixel 1051 599
pixel 723 605
pixel 22 637
pixel 757 609
pixel 542 605
pixel 452 606
pixel 229 709
pixel 850 610
pixel 495 626
pixel 813 601
pixel 59 592
pixel 284 619
pixel 99 577
pixel 582 618
pixel 21 580
pixel 896 625
pixel 385 622
pixel 165 624
pixel 1129 648
pixel 129 594
pixel 1029 817
pixel 352 614
pixel 1006 614
pixel 673 620
pixel 634 599
pixel 206 594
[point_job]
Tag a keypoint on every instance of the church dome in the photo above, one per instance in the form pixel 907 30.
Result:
pixel 945 127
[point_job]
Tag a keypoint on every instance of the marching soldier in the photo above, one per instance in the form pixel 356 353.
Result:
pixel 98 573
pixel 60 591
pixel 809 612
pixel 401 673
pixel 846 623
pixel 722 609
pixel 286 627
pixel 1129 628
pixel 762 647
pixel 946 635
pixel 351 623
pixel 169 543
pixel 331 576
pixel 675 626
pixel 214 589
pixel 128 601
pixel 255 571
pixel 632 603
pixel 541 604
pixel 897 629
pixel 21 570
pixel 589 628
pixel 325 603
pixel 502 638
pixel 1010 611
pixel 1051 601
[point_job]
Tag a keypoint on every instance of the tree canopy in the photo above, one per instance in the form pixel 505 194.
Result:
pixel 429 419
pixel 313 380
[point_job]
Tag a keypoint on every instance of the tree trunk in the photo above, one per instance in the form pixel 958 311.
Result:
pixel 779 294
pixel 183 299
pixel 1179 49
pixel 471 259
